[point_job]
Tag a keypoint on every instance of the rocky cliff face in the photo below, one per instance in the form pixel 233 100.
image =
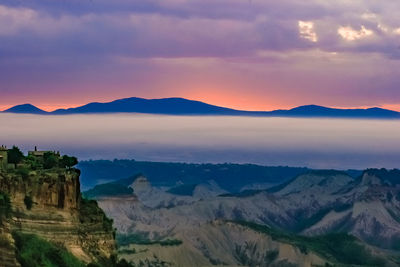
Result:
pixel 48 203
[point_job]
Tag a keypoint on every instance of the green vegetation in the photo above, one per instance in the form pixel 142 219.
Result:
pixel 304 223
pixel 152 262
pixel 33 251
pixel 110 189
pixel 68 162
pixel 123 263
pixel 28 202
pixel 50 160
pixel 244 193
pixel 5 206
pixel 250 254
pixel 90 212
pixel 15 155
pixel 34 163
pixel 339 248
pixel 112 262
pixel 169 242
pixel 24 173
pixel 183 190
pixel 127 251
pixel 272 255
pixel 143 239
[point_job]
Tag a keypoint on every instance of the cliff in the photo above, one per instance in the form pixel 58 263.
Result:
pixel 48 204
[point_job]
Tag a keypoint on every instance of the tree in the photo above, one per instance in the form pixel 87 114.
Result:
pixel 15 155
pixel 68 162
pixel 49 160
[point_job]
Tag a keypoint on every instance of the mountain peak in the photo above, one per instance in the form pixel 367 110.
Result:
pixel 25 108
pixel 309 107
pixel 381 177
pixel 321 181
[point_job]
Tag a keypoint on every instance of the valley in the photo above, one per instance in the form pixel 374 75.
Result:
pixel 194 214
pixel 316 218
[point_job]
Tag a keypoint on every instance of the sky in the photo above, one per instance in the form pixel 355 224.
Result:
pixel 245 54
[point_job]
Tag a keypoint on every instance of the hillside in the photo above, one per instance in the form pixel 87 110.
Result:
pixel 223 244
pixel 312 205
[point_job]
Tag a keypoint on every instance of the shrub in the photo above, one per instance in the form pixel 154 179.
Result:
pixel 28 202
pixel 33 251
pixel 49 160
pixel 24 172
pixel 127 251
pixel 114 262
pixel 123 263
pixel 272 255
pixel 5 206
pixel 143 239
pixel 34 163
pixel 90 212
pixel 170 242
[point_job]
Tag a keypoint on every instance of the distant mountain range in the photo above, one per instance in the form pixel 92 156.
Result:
pixel 181 106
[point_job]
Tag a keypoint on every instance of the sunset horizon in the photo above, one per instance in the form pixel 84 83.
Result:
pixel 232 105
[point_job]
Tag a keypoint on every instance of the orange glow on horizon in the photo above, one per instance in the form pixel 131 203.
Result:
pixel 222 100
pixel 395 107
pixel 234 101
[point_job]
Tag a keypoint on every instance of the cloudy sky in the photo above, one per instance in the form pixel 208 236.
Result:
pixel 248 54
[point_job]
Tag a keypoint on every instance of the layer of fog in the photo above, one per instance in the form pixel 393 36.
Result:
pixel 317 143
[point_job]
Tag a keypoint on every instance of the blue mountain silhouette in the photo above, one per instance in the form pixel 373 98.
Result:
pixel 25 108
pixel 181 106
